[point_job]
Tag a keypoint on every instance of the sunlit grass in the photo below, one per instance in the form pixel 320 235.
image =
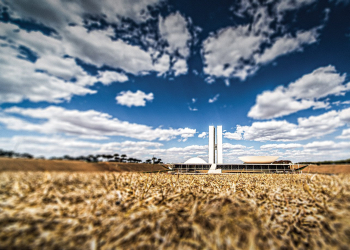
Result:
pixel 131 210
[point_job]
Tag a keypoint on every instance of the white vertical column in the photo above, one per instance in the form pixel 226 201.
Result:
pixel 219 143
pixel 211 144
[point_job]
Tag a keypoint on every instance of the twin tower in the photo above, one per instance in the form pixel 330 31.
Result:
pixel 215 146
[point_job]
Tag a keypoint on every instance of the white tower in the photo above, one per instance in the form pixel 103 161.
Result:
pixel 219 144
pixel 213 146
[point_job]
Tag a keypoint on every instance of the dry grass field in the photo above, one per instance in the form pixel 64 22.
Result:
pixel 10 164
pixel 59 210
pixel 328 169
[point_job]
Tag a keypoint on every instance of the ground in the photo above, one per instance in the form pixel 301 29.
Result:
pixel 10 164
pixel 65 210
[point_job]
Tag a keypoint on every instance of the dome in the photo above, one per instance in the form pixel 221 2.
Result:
pixel 195 160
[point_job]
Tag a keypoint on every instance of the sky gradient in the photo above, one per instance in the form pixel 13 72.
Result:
pixel 147 77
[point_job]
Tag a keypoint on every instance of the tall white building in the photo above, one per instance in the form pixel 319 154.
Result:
pixel 215 146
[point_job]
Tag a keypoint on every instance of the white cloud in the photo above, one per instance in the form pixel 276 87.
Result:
pixel 56 53
pixel 180 67
pixel 231 146
pixel 202 135
pixel 107 77
pixel 59 13
pixel 282 146
pixel 327 145
pixel 59 146
pixel 137 99
pixel 224 52
pixel 194 100
pixel 286 44
pixel 234 136
pixel 345 134
pixel 239 51
pixel 173 29
pixel 192 109
pixel 288 5
pixel 302 94
pixel 344 115
pixel 20 80
pixel 54 77
pixel 214 99
pixel 97 48
pixel 313 126
pixel 57 120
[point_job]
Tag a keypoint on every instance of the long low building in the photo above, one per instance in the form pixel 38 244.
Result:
pixel 190 167
pixel 252 164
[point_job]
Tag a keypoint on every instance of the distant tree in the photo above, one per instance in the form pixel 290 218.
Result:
pixel 10 154
pixel 148 161
pixel 26 155
pixel 67 157
pixel 109 157
pixel 123 157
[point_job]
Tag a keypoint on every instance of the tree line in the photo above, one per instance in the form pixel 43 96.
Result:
pixel 88 158
pixel 347 161
pixel 12 154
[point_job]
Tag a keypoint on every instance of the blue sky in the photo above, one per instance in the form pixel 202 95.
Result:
pixel 148 77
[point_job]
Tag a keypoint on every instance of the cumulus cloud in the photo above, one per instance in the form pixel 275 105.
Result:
pixel 231 146
pixel 33 85
pixel 58 146
pixel 97 48
pixel 137 99
pixel 59 77
pixel 180 67
pixel 288 5
pixel 214 99
pixel 327 145
pixel 302 94
pixel 237 135
pixel 239 51
pixel 281 146
pixel 202 135
pixel 57 120
pixel 173 30
pixel 345 134
pixel 59 13
pixel 285 45
pixel 306 128
pixel 55 54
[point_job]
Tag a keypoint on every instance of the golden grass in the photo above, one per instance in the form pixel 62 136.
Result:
pixel 148 211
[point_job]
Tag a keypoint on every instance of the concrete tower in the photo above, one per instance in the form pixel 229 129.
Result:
pixel 215 146
pixel 211 144
pixel 219 144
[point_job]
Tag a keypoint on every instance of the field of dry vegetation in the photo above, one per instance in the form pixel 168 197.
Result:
pixel 41 210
